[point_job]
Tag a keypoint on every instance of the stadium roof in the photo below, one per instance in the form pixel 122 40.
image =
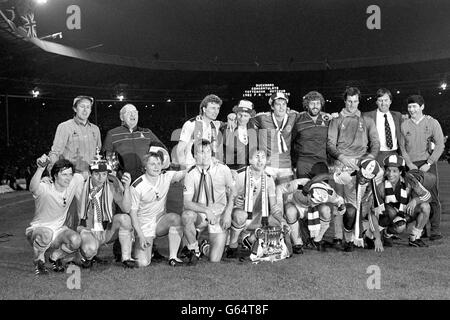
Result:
pixel 245 35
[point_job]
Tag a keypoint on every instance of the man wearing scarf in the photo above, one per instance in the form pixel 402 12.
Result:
pixel 204 126
pixel 99 224
pixel 240 140
pixel 351 137
pixel 404 200
pixel 311 207
pixel 367 178
pixel 274 136
pixel 255 204
pixel 209 193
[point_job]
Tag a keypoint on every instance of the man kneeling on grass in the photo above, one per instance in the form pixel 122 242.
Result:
pixel 208 201
pixel 311 208
pixel 98 223
pixel 52 201
pixel 148 208
pixel 405 201
pixel 255 205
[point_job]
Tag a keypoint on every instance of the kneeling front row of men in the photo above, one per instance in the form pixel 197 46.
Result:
pixel 233 206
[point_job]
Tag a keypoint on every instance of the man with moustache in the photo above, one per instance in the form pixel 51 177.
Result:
pixel 388 125
pixel 421 148
pixel 310 134
pixel 203 126
pixel 351 137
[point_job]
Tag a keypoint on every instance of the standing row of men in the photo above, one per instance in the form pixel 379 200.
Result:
pixel 210 194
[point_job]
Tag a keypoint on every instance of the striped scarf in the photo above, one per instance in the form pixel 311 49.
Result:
pixel 399 200
pixel 313 221
pixel 250 187
pixel 204 193
pixel 282 147
pixel 105 207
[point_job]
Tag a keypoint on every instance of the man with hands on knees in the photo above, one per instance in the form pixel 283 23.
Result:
pixel 209 194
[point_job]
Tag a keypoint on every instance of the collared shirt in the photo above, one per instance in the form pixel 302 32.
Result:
pixel 310 138
pixel 382 131
pixel 131 145
pixel 195 129
pixel 221 179
pixel 76 142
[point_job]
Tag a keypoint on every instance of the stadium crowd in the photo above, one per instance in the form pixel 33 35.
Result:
pixel 259 187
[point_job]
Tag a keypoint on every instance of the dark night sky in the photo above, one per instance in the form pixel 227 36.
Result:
pixel 238 31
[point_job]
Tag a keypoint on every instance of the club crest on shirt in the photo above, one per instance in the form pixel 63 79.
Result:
pixel 288 128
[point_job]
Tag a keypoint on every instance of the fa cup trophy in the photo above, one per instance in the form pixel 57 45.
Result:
pixel 269 244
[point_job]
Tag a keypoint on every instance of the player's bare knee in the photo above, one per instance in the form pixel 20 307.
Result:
pixel 44 237
pixel 425 208
pixel 239 217
pixel 89 250
pixel 124 221
pixel 290 213
pixel 74 240
pixel 188 217
pixel 325 212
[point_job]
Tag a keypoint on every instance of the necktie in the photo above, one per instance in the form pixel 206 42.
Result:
pixel 387 130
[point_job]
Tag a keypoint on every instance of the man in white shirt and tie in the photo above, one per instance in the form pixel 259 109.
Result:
pixel 388 125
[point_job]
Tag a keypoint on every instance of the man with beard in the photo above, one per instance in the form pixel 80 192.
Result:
pixel 310 134
pixel 203 126
pixel 421 148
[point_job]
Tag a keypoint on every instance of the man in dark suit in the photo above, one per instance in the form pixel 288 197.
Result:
pixel 388 125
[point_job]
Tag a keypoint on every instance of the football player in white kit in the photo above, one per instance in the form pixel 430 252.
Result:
pixel 148 208
pixel 52 201
pixel 208 201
